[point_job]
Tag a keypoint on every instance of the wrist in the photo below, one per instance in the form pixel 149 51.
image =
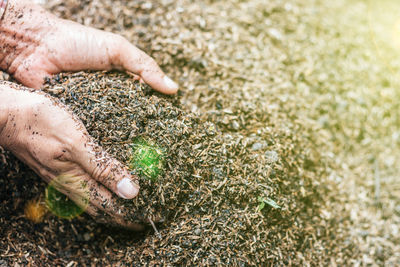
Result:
pixel 3 122
pixel 5 100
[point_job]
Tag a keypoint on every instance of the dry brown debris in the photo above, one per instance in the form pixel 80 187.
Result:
pixel 277 79
pixel 255 144
pixel 206 201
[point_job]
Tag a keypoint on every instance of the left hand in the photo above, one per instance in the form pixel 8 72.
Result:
pixel 35 44
pixel 55 144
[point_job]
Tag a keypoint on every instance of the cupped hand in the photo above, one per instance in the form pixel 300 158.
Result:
pixel 35 44
pixel 54 143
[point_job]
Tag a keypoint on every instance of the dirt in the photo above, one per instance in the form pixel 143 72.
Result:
pixel 269 112
pixel 213 180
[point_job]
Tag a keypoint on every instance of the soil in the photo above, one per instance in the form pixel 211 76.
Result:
pixel 266 111
pixel 212 180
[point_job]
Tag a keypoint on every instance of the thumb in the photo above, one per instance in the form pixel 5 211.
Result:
pixel 131 58
pixel 100 166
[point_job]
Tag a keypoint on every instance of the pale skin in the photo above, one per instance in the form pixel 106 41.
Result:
pixel 34 44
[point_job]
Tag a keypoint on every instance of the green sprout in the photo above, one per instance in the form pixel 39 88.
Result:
pixel 147 158
pixel 62 206
pixel 267 201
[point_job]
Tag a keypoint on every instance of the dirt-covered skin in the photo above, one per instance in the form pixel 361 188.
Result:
pixel 31 131
pixel 30 38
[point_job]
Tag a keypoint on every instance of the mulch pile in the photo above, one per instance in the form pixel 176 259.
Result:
pixel 208 196
pixel 236 139
pixel 207 200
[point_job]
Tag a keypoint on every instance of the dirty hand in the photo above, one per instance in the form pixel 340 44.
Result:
pixel 54 143
pixel 35 44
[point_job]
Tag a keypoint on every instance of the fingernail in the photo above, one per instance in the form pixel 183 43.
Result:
pixel 126 189
pixel 170 83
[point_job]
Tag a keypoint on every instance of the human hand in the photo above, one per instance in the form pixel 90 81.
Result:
pixel 54 143
pixel 35 44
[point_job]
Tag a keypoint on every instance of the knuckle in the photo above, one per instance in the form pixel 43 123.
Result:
pixel 149 62
pixel 69 144
pixel 116 45
pixel 120 40
pixel 101 171
pixel 73 142
pixel 61 152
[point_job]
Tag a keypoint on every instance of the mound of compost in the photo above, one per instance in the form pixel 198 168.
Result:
pixel 221 197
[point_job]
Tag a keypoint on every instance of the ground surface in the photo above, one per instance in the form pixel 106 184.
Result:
pixel 329 67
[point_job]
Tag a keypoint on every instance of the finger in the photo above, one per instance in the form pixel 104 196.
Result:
pixel 104 218
pixel 105 169
pixel 93 198
pixel 127 56
pixel 100 50
pixel 104 201
pixel 120 222
pixel 78 147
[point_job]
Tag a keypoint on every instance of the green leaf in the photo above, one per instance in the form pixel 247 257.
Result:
pixel 267 201
pixel 261 206
pixel 272 203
